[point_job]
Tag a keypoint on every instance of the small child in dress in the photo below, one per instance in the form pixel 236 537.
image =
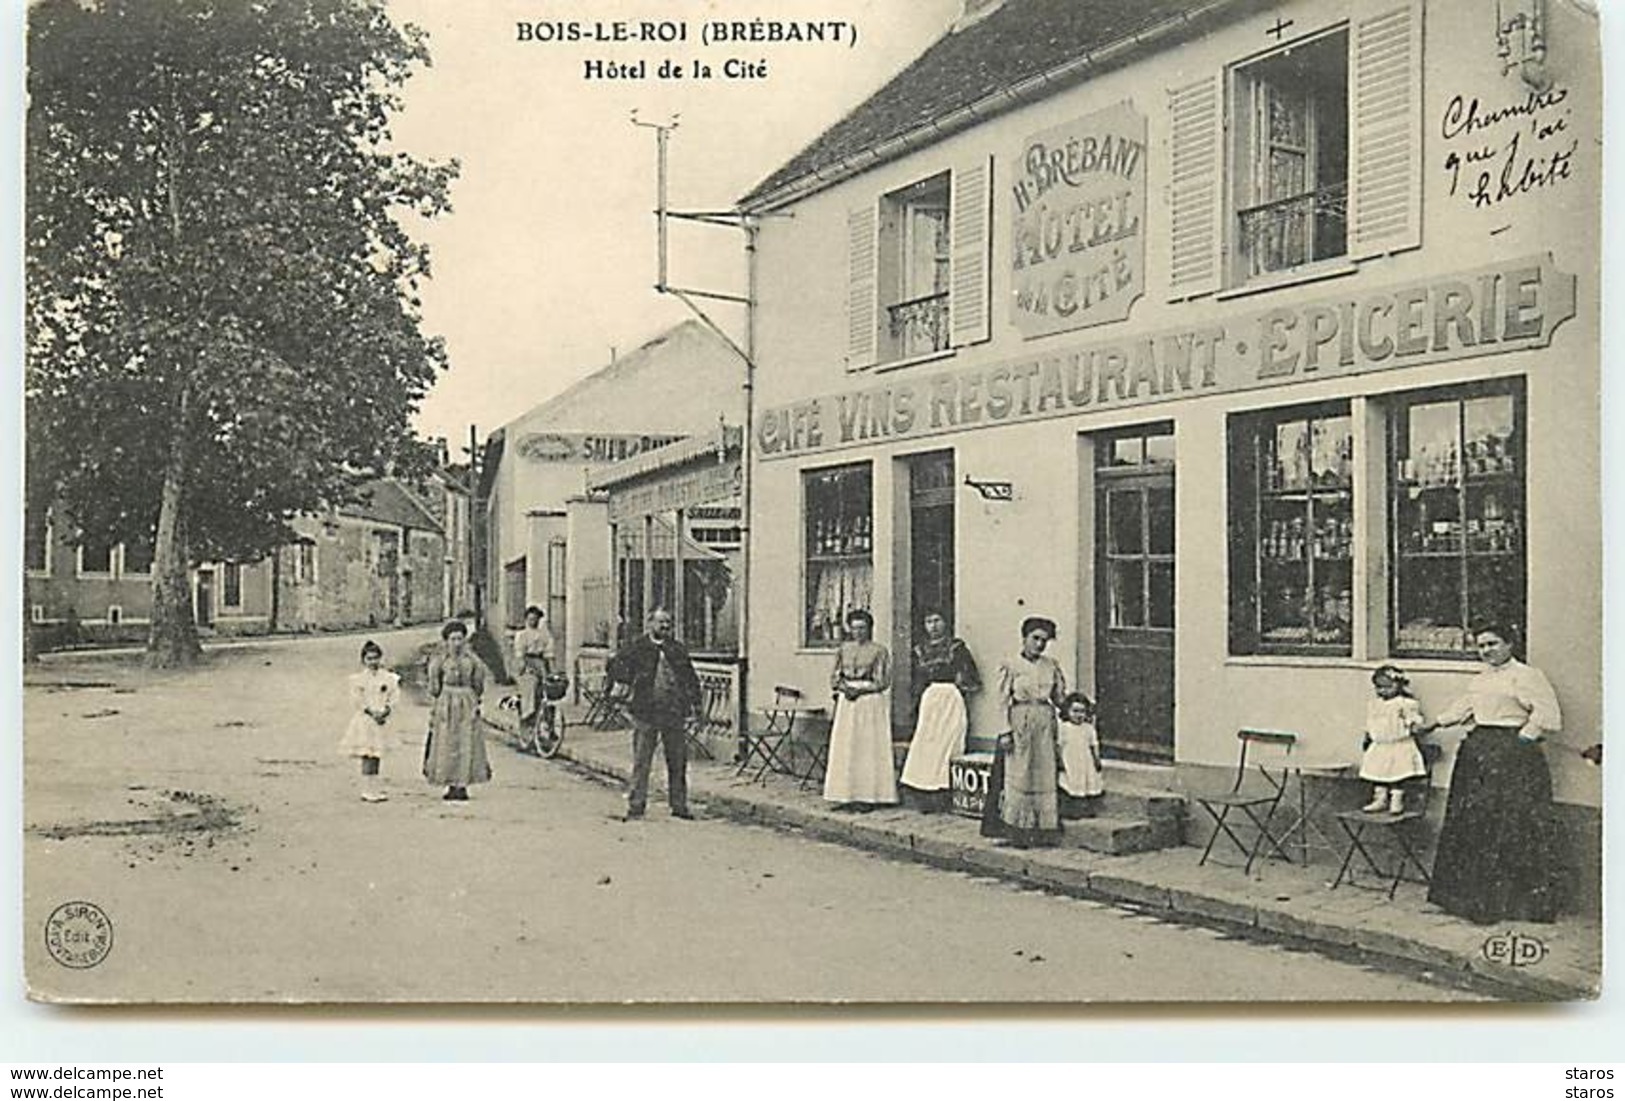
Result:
pixel 1081 780
pixel 374 692
pixel 1393 720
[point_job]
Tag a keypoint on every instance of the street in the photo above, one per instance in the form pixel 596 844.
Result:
pixel 210 816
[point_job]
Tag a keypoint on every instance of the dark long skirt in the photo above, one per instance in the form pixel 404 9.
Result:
pixel 1500 853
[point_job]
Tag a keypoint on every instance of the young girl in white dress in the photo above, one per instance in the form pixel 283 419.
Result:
pixel 1393 720
pixel 1082 780
pixel 374 693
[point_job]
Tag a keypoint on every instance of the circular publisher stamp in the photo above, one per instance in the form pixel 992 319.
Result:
pixel 78 935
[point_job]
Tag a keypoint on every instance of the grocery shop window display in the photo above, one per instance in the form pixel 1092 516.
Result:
pixel 1458 516
pixel 837 550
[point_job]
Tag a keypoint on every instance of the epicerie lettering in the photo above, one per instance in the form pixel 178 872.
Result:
pixel 618 30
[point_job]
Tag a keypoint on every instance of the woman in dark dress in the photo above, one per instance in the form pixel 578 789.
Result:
pixel 1500 855
pixel 944 674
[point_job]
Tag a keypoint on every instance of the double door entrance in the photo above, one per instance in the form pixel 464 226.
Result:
pixel 1134 592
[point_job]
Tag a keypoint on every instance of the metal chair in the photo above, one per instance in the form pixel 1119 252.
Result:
pixel 1257 801
pixel 605 709
pixel 769 748
pixel 1399 832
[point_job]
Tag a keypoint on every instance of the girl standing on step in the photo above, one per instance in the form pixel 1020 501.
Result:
pixel 374 693
pixel 1393 720
pixel 1082 781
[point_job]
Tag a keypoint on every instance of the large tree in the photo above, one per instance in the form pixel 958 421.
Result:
pixel 222 315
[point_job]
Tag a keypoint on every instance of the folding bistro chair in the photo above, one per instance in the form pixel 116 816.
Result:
pixel 1400 834
pixel 714 699
pixel 605 710
pixel 1257 800
pixel 768 749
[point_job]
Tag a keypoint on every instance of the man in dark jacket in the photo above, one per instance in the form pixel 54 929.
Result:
pixel 665 704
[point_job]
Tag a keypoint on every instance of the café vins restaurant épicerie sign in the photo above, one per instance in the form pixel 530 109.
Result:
pixel 1507 308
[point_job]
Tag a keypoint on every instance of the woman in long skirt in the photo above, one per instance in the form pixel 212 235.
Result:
pixel 1032 686
pixel 944 674
pixel 860 776
pixel 1500 855
pixel 455 752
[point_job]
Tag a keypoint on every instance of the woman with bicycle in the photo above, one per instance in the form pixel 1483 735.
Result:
pixel 532 666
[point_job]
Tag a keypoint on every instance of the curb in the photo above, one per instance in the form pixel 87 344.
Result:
pixel 1302 925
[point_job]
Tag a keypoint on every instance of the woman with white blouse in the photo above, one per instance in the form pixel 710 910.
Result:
pixel 1500 854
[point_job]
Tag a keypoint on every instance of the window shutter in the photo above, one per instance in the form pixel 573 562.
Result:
pixel 1196 167
pixel 1385 131
pixel 971 211
pixel 861 255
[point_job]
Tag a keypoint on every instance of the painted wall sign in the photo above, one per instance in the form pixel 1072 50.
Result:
pixel 1078 218
pixel 683 488
pixel 1507 308
pixel 583 447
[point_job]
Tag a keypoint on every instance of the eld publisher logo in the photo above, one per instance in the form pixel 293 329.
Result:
pixel 1514 949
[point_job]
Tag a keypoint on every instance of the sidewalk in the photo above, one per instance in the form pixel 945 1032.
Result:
pixel 1280 902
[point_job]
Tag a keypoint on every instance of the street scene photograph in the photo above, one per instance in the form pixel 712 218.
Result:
pixel 1013 503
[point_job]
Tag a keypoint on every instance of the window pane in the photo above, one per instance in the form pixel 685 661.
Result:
pixel 1283 613
pixel 1121 452
pixel 1434 431
pixel 1286 458
pixel 839 543
pixel 1159 449
pixel 138 555
pixel 1125 533
pixel 1332 450
pixel 96 556
pixel 1160 520
pixel 233 587
pixel 1127 594
pixel 1333 608
pixel 1489 436
pixel 1161 596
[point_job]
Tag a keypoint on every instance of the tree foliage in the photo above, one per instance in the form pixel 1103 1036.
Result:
pixel 222 315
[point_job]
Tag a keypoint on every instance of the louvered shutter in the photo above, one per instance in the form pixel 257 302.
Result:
pixel 1385 131
pixel 1196 168
pixel 861 255
pixel 971 211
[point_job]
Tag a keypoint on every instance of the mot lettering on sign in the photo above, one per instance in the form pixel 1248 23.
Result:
pixel 1078 212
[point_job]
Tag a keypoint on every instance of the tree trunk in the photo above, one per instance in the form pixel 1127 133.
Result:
pixel 173 639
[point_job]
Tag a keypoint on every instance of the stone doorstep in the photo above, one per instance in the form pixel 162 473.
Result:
pixel 1346 922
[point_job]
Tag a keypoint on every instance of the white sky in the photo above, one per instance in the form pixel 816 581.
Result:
pixel 548 259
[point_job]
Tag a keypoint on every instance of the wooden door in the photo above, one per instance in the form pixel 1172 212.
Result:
pixel 1134 593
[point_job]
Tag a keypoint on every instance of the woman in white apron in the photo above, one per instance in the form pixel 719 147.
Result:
pixel 944 674
pixel 860 775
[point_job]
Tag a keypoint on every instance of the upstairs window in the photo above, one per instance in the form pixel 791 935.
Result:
pixel 1306 153
pixel 917 268
pixel 138 555
pixel 96 556
pixel 1291 156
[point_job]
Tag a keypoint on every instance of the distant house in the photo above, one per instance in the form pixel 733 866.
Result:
pixel 387 559
pixel 547 541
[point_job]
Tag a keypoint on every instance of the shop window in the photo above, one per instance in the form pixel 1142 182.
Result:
pixel 1292 531
pixel 37 541
pixel 837 507
pixel 231 585
pixel 1301 159
pixel 1458 517
pixel 138 555
pixel 1290 126
pixel 96 556
pixel 918 266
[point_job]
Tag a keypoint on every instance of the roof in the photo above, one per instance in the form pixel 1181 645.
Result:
pixel 562 406
pixel 1018 52
pixel 386 501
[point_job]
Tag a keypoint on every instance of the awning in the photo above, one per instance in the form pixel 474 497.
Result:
pixel 722 443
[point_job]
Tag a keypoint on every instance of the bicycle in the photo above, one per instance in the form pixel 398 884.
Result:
pixel 543 733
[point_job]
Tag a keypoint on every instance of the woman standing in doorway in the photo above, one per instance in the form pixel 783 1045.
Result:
pixel 944 674
pixel 1500 855
pixel 1032 686
pixel 455 752
pixel 860 775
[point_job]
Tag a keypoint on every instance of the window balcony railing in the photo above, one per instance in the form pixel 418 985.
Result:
pixel 919 326
pixel 1297 230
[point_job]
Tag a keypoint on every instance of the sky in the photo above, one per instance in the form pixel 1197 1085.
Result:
pixel 548 259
